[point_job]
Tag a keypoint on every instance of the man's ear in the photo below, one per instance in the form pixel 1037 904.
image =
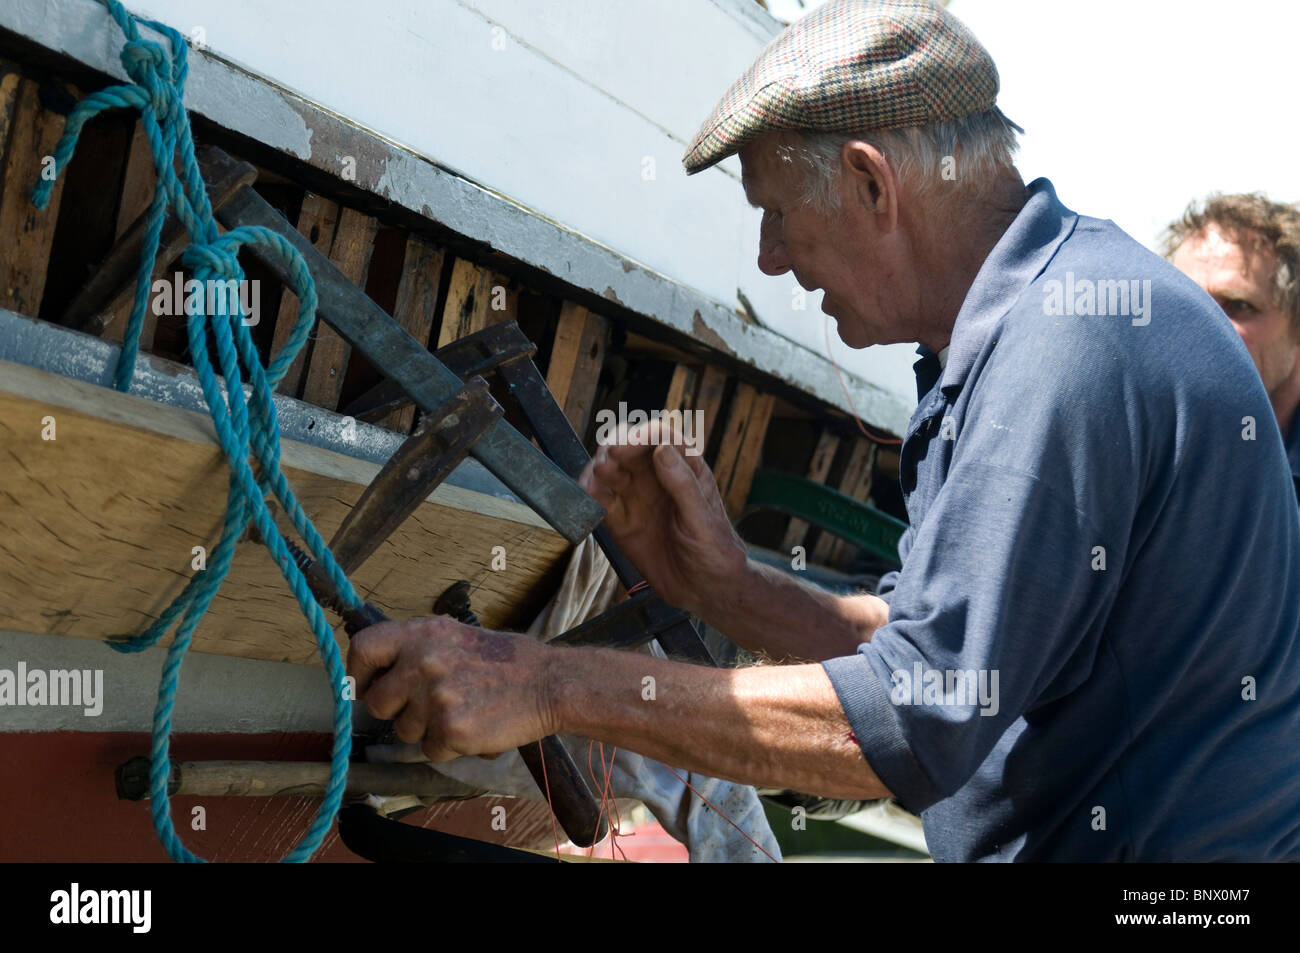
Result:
pixel 872 181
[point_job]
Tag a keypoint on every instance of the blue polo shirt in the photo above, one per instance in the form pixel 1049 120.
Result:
pixel 1293 452
pixel 1092 650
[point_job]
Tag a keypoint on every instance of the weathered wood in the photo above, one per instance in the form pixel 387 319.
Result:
pixel 742 446
pixel 104 303
pixel 98 526
pixel 818 468
pixel 855 482
pixel 354 241
pixel 26 234
pixel 476 298
pixel 317 222
pixel 577 356
pixel 137 194
pixel 310 779
pixel 417 303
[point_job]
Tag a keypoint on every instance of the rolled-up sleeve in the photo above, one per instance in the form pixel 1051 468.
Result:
pixel 1000 581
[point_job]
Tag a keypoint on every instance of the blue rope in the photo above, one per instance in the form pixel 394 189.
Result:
pixel 243 425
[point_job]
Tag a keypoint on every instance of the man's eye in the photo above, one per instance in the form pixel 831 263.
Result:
pixel 1237 306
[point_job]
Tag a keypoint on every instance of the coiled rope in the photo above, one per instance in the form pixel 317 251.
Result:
pixel 241 424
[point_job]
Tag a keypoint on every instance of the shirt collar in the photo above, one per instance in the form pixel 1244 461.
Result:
pixel 1016 260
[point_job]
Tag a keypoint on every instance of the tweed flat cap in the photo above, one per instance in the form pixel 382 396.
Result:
pixel 853 66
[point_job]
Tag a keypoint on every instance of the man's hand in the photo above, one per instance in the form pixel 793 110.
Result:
pixel 452 688
pixel 666 514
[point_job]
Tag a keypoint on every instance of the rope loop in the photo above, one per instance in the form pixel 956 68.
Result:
pixel 218 260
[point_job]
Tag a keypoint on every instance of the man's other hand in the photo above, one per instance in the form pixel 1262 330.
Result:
pixel 666 514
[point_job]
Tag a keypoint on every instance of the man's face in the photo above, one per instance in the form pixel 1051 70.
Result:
pixel 1239 276
pixel 847 254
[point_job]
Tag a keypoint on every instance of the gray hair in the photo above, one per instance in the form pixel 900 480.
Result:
pixel 924 157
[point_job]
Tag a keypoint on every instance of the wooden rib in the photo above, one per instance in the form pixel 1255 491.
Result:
pixel 708 398
pixel 820 465
pixel 856 482
pixel 417 303
pixel 354 242
pixel 317 221
pixel 471 294
pixel 577 356
pixel 26 234
pixel 97 526
pixel 742 446
pixel 681 389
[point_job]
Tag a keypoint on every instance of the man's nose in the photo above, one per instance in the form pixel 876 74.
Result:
pixel 772 257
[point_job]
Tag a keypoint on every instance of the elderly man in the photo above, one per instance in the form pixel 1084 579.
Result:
pixel 1245 252
pixel 1090 650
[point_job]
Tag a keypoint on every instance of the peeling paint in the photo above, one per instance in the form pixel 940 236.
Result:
pixel 612 295
pixel 706 335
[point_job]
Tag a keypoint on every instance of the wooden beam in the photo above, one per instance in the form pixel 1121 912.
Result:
pixel 26 234
pixel 354 242
pixel 577 356
pixel 98 526
pixel 818 468
pixel 742 446
pixel 317 222
pixel 417 303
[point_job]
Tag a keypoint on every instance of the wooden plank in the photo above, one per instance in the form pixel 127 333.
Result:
pixel 742 446
pixel 681 389
pixel 98 525
pixel 417 303
pixel 856 482
pixel 137 195
pixel 577 356
pixel 317 222
pixel 708 398
pixel 818 468
pixel 354 242
pixel 476 298
pixel 26 234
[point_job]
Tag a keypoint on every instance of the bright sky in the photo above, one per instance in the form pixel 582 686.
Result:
pixel 1134 107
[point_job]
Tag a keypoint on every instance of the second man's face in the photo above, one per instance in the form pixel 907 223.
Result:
pixel 1239 276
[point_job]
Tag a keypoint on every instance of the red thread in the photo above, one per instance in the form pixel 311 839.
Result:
pixel 638 587
pixel 854 738
pixel 608 804
pixel 884 441
pixel 546 784
pixel 719 813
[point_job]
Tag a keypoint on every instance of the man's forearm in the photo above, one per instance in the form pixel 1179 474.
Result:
pixel 774 726
pixel 772 612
